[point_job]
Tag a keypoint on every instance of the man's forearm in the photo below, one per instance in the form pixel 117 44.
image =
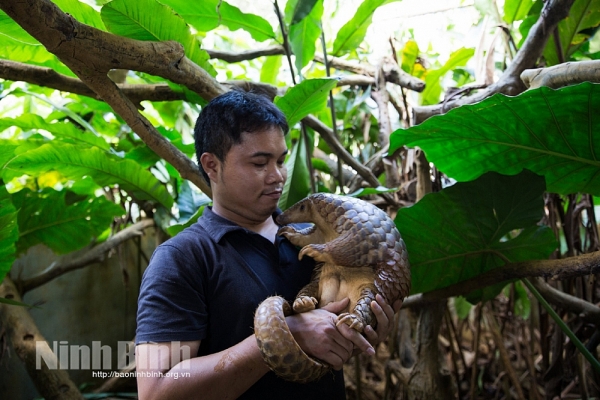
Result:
pixel 223 375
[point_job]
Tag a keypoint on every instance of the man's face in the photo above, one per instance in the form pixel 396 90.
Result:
pixel 250 181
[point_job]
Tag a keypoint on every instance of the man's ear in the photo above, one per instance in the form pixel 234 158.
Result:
pixel 211 165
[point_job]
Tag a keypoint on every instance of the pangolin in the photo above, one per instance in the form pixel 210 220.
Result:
pixel 359 252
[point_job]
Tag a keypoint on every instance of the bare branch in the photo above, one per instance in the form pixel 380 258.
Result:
pixel 392 72
pixel 510 83
pixel 335 145
pixel 560 269
pixel 562 74
pixel 586 310
pixel 94 255
pixel 230 57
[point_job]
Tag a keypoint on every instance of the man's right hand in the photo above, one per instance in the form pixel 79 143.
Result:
pixel 317 334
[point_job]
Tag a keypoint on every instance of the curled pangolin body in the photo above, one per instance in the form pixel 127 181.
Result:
pixel 360 252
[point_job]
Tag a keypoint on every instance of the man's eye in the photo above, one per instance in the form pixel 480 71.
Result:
pixel 259 165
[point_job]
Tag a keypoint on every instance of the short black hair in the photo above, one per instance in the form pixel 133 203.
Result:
pixel 222 121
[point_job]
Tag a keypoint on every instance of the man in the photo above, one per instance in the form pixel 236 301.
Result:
pixel 201 289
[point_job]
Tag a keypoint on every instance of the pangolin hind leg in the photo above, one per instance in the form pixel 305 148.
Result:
pixel 362 315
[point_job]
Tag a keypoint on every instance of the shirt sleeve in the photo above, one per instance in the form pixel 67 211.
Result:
pixel 171 304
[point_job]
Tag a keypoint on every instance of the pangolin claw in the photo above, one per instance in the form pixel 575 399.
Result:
pixel 351 320
pixel 304 304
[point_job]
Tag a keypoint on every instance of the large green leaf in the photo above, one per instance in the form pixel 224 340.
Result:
pixel 75 162
pixel 206 15
pixel 45 217
pixel 465 229
pixel 153 21
pixel 297 10
pixel 303 35
pixel 583 14
pixel 9 232
pixel 11 30
pixel 62 130
pixel 550 132
pixel 516 10
pixel 309 96
pixel 297 185
pixel 433 86
pixel 351 35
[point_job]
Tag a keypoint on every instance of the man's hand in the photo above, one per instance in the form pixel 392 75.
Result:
pixel 385 316
pixel 316 333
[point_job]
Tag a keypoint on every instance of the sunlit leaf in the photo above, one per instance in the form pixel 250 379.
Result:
pixel 9 232
pixel 583 14
pixel 307 97
pixel 410 53
pixel 433 86
pixel 516 10
pixel 106 169
pixel 304 34
pixel 270 69
pixel 153 21
pixel 175 229
pixel 464 230
pixel 44 217
pixel 81 12
pixel 550 132
pixel 206 15
pixel 351 35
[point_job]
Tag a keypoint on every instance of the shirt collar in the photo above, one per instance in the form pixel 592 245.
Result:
pixel 217 226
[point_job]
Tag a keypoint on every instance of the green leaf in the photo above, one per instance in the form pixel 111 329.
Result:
pixel 9 232
pixel 371 191
pixel 297 10
pixel 206 15
pixel 351 35
pixel 309 96
pixel 81 12
pixel 468 229
pixel 550 132
pixel 584 14
pixel 44 217
pixel 433 86
pixel 106 169
pixel 270 69
pixel 410 53
pixel 9 29
pixel 18 45
pixel 516 10
pixel 522 302
pixel 303 35
pixel 153 21
pixel 65 131
pixel 297 185
pixel 175 229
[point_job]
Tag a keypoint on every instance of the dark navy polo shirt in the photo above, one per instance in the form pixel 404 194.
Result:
pixel 206 283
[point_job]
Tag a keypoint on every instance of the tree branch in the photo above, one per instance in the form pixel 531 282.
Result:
pixel 52 384
pixel 561 75
pixel 94 255
pixel 560 269
pixel 575 305
pixel 91 54
pixel 510 83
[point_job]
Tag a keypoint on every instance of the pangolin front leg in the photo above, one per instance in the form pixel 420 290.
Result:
pixel 306 299
pixel 302 237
